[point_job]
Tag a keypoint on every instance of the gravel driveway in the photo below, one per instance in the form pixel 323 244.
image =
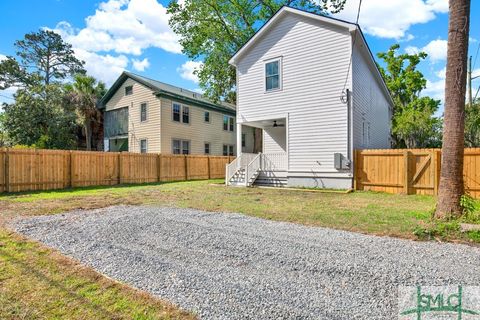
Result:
pixel 230 266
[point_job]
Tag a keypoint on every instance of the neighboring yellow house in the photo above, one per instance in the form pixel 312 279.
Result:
pixel 145 115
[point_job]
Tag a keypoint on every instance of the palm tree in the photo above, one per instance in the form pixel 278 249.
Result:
pixel 451 186
pixel 83 95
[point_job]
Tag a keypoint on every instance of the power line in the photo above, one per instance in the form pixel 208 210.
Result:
pixel 476 56
pixel 351 53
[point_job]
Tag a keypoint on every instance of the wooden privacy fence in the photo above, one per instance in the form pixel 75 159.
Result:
pixel 29 169
pixel 411 171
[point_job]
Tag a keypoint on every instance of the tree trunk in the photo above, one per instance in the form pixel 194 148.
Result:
pixel 451 186
pixel 88 134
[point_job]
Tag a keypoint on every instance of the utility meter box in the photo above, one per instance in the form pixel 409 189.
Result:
pixel 340 162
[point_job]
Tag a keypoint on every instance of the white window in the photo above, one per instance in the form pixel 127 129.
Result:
pixel 180 113
pixel 128 90
pixel 176 112
pixel 186 115
pixel 180 146
pixel 228 123
pixel 206 116
pixel 273 76
pixel 143 112
pixel 228 150
pixel 143 146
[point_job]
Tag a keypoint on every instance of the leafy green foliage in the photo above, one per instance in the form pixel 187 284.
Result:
pixel 413 123
pixel 42 58
pixel 83 95
pixel 40 122
pixel 472 125
pixel 213 31
pixel 38 117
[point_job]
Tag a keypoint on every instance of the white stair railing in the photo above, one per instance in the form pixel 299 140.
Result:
pixel 231 169
pixel 252 169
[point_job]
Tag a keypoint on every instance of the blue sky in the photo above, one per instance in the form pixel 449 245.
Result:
pixel 109 37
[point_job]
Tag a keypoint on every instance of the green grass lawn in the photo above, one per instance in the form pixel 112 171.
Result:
pixel 47 285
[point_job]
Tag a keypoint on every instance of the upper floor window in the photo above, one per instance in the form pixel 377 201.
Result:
pixel 186 115
pixel 272 75
pixel 180 113
pixel 143 146
pixel 128 90
pixel 143 112
pixel 228 123
pixel 206 116
pixel 176 112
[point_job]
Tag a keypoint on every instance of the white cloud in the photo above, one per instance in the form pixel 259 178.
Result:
pixel 103 67
pixel 393 18
pixel 187 69
pixel 436 50
pixel 140 65
pixel 2 57
pixel 124 26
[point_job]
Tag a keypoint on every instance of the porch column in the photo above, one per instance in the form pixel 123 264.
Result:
pixel 239 139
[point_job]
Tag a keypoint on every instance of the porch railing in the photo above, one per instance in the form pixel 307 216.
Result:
pixel 274 161
pixel 253 162
pixel 252 169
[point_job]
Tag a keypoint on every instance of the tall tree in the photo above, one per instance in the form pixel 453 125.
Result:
pixel 213 31
pixel 37 117
pixel 83 95
pixel 451 186
pixel 413 122
pixel 42 58
pixel 35 121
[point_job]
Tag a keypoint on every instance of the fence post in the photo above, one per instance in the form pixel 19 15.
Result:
pixel 436 166
pixel 158 166
pixel 208 164
pixel 69 169
pixel 406 182
pixel 72 169
pixel 6 173
pixel 119 170
pixel 186 167
pixel 355 167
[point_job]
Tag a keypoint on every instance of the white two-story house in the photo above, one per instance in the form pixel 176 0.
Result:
pixel 148 116
pixel 311 84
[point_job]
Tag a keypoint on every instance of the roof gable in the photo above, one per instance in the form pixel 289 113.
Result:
pixel 165 89
pixel 352 27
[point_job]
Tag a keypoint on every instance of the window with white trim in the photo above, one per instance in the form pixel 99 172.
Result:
pixel 143 112
pixel 176 112
pixel 272 75
pixel 228 123
pixel 143 146
pixel 186 115
pixel 228 150
pixel 180 146
pixel 206 116
pixel 128 90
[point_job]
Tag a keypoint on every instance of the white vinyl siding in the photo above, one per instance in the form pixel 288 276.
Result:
pixel 371 115
pixel 315 58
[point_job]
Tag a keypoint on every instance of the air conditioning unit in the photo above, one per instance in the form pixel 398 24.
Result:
pixel 341 162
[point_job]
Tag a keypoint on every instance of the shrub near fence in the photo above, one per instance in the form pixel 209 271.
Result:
pixel 411 171
pixel 29 169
